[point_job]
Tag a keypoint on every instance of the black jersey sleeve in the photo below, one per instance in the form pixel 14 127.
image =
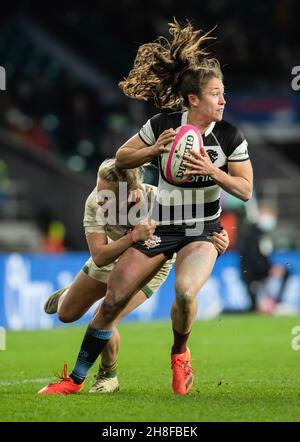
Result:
pixel 232 141
pixel 157 124
pixel 148 132
pixel 237 149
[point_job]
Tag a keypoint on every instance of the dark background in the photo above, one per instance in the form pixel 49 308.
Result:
pixel 62 112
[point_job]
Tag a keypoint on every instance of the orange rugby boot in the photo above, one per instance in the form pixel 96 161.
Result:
pixel 66 385
pixel 182 372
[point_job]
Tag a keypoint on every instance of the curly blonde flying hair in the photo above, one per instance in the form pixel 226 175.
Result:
pixel 170 70
pixel 108 171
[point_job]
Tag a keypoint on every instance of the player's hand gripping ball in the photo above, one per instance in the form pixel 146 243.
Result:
pixel 188 138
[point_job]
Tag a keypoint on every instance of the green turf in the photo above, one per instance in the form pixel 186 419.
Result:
pixel 245 368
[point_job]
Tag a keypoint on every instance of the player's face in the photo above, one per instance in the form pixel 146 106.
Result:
pixel 210 106
pixel 107 193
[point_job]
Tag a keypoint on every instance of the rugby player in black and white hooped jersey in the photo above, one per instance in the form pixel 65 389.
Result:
pixel 178 74
pixel 181 74
pixel 107 240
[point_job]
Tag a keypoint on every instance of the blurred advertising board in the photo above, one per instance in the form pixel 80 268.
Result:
pixel 26 281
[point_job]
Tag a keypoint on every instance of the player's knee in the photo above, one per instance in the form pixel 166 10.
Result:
pixel 116 297
pixel 184 295
pixel 66 316
pixel 108 310
pixel 112 305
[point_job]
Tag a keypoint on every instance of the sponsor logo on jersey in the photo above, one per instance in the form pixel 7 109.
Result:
pixel 154 241
pixel 201 178
pixel 213 155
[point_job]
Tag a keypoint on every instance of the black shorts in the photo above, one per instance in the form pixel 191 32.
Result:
pixel 172 238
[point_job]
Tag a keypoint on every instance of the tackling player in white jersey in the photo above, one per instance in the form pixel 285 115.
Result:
pixel 107 241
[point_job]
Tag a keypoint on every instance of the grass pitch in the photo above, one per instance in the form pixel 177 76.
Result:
pixel 245 367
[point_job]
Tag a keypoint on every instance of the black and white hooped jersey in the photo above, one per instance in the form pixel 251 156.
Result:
pixel 198 199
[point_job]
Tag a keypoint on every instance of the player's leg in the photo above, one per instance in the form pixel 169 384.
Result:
pixel 51 304
pixel 73 301
pixel 106 380
pixel 79 297
pixel 132 272
pixel 193 267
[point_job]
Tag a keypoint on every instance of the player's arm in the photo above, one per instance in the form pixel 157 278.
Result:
pixel 135 152
pixel 104 253
pixel 238 181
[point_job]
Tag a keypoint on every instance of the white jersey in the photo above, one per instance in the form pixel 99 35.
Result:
pixel 94 219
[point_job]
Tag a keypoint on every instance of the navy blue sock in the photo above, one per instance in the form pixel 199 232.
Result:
pixel 92 345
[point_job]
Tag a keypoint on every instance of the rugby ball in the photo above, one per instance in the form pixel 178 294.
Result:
pixel 188 137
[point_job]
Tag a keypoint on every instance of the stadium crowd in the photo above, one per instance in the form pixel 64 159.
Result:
pixel 53 110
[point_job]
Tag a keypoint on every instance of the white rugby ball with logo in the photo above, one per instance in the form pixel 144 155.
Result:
pixel 188 137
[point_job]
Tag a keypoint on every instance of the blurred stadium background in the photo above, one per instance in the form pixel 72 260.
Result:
pixel 62 113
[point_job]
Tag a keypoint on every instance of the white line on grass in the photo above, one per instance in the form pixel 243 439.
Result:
pixel 28 381
pixel 47 380
pixel 24 381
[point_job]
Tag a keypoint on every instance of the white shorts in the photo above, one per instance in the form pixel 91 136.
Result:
pixel 102 274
